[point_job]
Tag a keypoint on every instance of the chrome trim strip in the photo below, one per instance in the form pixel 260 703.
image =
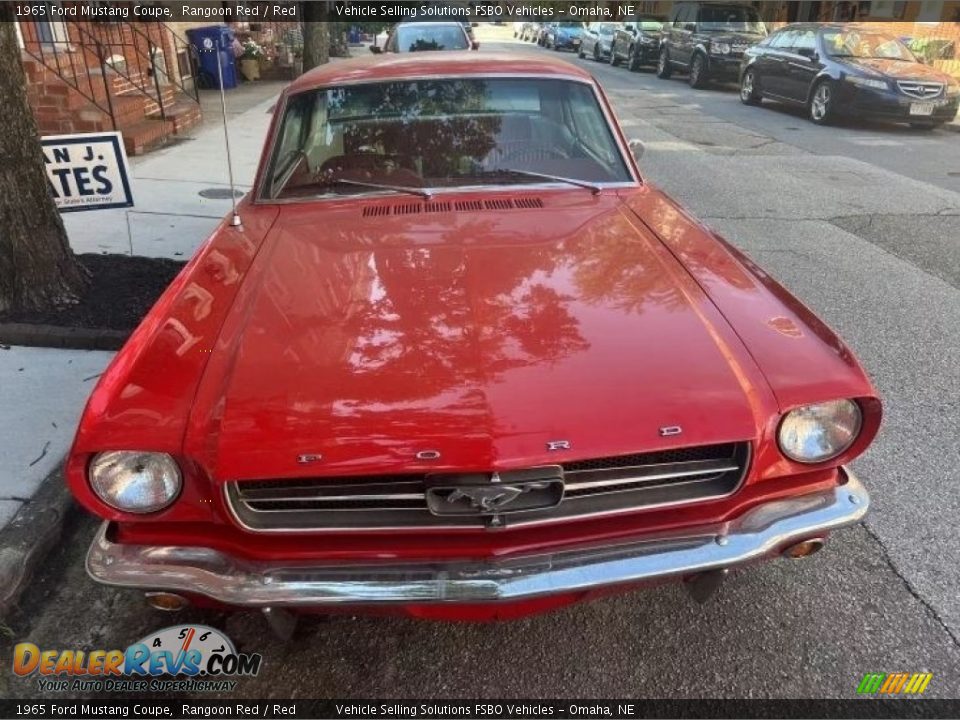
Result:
pixel 635 479
pixel 760 532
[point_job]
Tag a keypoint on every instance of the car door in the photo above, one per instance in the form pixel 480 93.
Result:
pixel 589 39
pixel 801 65
pixel 772 66
pixel 685 28
pixel 622 39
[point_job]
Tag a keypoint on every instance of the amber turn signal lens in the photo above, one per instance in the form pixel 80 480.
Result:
pixel 804 549
pixel 169 602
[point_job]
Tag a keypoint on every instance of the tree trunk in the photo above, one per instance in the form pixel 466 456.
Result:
pixel 37 269
pixel 316 35
pixel 338 40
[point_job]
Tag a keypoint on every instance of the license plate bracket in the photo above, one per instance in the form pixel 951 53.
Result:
pixel 922 109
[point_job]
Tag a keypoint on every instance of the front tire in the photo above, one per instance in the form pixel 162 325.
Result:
pixel 580 53
pixel 596 53
pixel 750 88
pixel 614 60
pixel 634 63
pixel 698 71
pixel 820 108
pixel 664 71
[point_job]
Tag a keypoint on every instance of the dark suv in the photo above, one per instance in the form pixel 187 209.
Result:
pixel 707 40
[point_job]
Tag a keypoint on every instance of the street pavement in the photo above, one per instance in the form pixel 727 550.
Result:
pixel 861 223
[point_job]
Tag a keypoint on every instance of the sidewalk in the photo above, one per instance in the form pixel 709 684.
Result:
pixel 43 391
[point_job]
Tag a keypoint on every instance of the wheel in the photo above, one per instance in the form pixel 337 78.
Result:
pixel 925 126
pixel 580 52
pixel 663 64
pixel 750 88
pixel 820 107
pixel 698 71
pixel 634 63
pixel 556 47
pixel 614 60
pixel 596 52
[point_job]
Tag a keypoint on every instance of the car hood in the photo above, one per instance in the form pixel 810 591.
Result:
pixel 369 334
pixel 896 69
pixel 721 36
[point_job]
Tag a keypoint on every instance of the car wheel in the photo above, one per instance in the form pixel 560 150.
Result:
pixel 750 88
pixel 614 60
pixel 925 126
pixel 596 52
pixel 820 107
pixel 663 64
pixel 580 53
pixel 556 47
pixel 698 71
pixel 634 63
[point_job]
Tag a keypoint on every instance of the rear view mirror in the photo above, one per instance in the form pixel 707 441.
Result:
pixel 636 149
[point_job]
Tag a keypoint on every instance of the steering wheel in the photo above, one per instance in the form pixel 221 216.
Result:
pixel 535 152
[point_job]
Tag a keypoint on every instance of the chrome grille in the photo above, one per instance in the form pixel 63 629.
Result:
pixel 920 90
pixel 597 486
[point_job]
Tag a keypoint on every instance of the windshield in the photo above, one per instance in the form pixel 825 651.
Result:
pixel 606 28
pixel 442 133
pixel 854 43
pixel 650 24
pixel 736 18
pixel 436 37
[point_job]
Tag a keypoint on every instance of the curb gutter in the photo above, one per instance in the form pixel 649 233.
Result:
pixel 31 535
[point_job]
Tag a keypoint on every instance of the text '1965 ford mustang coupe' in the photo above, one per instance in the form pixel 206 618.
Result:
pixel 459 360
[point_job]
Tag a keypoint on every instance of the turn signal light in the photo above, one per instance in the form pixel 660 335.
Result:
pixel 804 549
pixel 168 602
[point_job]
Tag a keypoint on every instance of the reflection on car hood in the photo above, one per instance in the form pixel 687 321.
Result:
pixel 482 335
pixel 735 37
pixel 896 69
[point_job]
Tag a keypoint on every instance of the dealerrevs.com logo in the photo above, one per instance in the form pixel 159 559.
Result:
pixel 184 658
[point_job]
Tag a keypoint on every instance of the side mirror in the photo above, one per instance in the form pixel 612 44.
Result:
pixel 475 45
pixel 376 50
pixel 636 149
pixel 808 53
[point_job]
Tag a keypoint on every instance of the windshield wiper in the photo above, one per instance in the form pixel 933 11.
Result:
pixel 420 192
pixel 594 188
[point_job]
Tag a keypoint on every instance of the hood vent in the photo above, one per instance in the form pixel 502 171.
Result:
pixel 435 206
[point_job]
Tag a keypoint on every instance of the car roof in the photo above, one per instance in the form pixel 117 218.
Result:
pixel 446 63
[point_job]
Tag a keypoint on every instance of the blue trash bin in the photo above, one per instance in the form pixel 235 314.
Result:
pixel 214 44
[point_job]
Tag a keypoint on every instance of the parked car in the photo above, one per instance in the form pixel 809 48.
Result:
pixel 541 39
pixel 518 28
pixel 596 40
pixel 460 360
pixel 837 70
pixel 531 31
pixel 420 36
pixel 637 42
pixel 564 35
pixel 707 40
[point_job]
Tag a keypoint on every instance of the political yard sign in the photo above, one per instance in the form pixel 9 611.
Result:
pixel 87 172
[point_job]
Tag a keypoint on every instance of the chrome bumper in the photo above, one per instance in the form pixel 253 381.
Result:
pixel 762 531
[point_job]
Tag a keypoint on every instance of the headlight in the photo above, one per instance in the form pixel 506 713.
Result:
pixel 867 82
pixel 720 48
pixel 814 433
pixel 136 482
pixel 953 90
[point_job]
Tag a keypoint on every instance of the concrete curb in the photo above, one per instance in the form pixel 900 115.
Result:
pixel 29 537
pixel 55 336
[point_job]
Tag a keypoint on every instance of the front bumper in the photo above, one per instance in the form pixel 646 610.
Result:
pixel 724 67
pixel 874 104
pixel 760 532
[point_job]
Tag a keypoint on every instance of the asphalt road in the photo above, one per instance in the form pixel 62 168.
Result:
pixel 861 223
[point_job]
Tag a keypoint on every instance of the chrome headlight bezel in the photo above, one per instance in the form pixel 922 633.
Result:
pixel 134 481
pixel 834 425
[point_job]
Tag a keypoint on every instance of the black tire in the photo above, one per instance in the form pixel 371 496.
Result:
pixel 634 63
pixel 596 52
pixel 556 47
pixel 614 60
pixel 664 71
pixel 820 108
pixel 750 88
pixel 697 77
pixel 925 126
pixel 580 52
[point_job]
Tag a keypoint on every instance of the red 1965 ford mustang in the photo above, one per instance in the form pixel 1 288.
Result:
pixel 460 361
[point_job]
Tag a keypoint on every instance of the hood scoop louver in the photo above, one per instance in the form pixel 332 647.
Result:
pixel 443 206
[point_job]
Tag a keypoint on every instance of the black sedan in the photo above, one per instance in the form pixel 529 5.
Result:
pixel 847 70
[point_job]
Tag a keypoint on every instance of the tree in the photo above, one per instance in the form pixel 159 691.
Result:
pixel 37 268
pixel 316 33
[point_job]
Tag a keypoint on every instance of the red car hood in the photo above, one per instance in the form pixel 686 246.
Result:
pixel 481 334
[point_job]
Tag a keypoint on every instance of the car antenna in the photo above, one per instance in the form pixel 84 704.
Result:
pixel 235 219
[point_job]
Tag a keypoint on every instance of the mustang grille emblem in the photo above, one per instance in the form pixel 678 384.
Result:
pixel 487 499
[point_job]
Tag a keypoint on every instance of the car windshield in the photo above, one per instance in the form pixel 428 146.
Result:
pixel 431 37
pixel 858 44
pixel 442 133
pixel 650 24
pixel 737 18
pixel 569 25
pixel 606 28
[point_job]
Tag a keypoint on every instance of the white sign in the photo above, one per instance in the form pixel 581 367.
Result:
pixel 87 172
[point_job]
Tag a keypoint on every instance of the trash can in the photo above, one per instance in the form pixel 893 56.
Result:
pixel 214 44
